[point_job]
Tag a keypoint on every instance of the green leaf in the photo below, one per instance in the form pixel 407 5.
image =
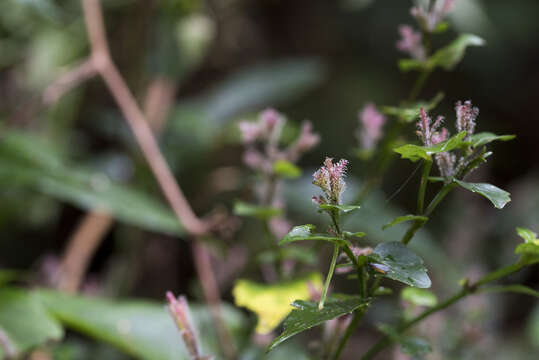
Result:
pixel 6 276
pixel 497 196
pixel 306 315
pixel 416 152
pixel 383 291
pixel 449 56
pixel 343 208
pixel 348 234
pixel 515 288
pixel 260 212
pixel 399 263
pixel 286 169
pixel 141 329
pixel 410 113
pixel 29 161
pixel 404 218
pixel 25 321
pixel 419 297
pixel 411 64
pixel 484 138
pixel 530 249
pixel 527 234
pixel 441 27
pixel 304 232
pixel 271 303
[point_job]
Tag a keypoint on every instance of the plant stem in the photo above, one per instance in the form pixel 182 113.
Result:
pixel 328 278
pixel 465 291
pixel 358 315
pixel 418 86
pixel 427 165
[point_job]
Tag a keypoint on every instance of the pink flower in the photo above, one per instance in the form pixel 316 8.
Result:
pixel 439 136
pixel 466 115
pixel 330 178
pixel 305 142
pixel 410 42
pixel 430 18
pixel 372 122
pixel 426 130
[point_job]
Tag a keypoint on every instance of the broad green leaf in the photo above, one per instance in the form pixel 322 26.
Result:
pixel 142 329
pixel 271 302
pixel 416 152
pixel 526 234
pixel 397 262
pixel 419 297
pixel 449 56
pixel 483 138
pixel 410 113
pixel 306 315
pixel 260 212
pixel 343 208
pixel 304 232
pixel 497 196
pixel 286 169
pixel 404 218
pixel 515 288
pixel 31 162
pixel 25 321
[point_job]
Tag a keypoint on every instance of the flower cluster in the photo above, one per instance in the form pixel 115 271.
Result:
pixel 330 178
pixel 372 122
pixel 431 134
pixel 429 19
pixel 411 43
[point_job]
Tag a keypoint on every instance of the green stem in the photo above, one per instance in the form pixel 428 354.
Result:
pixel 328 278
pixel 358 314
pixel 427 165
pixel 375 285
pixel 418 86
pixel 465 291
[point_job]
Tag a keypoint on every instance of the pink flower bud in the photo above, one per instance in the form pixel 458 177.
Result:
pixel 427 131
pixel 466 115
pixel 429 19
pixel 410 42
pixel 249 131
pixel 305 142
pixel 372 122
pixel 330 178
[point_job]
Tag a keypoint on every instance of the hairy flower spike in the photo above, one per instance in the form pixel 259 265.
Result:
pixel 372 122
pixel 411 43
pixel 430 18
pixel 179 310
pixel 330 178
pixel 446 164
pixel 427 132
pixel 466 115
pixel 268 127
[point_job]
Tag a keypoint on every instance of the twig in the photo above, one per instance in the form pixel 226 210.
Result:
pixel 70 79
pixel 80 249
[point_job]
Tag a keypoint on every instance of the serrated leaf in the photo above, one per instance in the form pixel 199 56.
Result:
pixel 497 196
pixel 142 329
pixel 286 169
pixel 484 138
pixel 304 232
pixel 25 321
pixel 259 212
pixel 416 152
pixel 306 315
pixel 419 297
pixel 410 113
pixel 271 303
pixel 343 208
pixel 404 218
pixel 400 263
pixel 515 288
pixel 449 56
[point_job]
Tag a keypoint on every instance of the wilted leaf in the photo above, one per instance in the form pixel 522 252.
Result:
pixel 25 321
pixel 271 302
pixel 304 232
pixel 306 315
pixel 400 263
pixel 404 218
pixel 419 297
pixel 497 196
pixel 416 152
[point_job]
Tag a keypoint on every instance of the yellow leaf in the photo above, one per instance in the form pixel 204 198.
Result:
pixel 271 303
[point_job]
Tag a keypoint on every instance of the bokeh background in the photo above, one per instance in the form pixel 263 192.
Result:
pixel 227 60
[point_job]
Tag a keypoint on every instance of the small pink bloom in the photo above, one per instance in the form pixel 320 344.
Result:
pixel 372 122
pixel 330 178
pixel 439 136
pixel 249 131
pixel 411 43
pixel 466 115
pixel 427 130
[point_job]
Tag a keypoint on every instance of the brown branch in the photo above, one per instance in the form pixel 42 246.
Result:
pixel 70 79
